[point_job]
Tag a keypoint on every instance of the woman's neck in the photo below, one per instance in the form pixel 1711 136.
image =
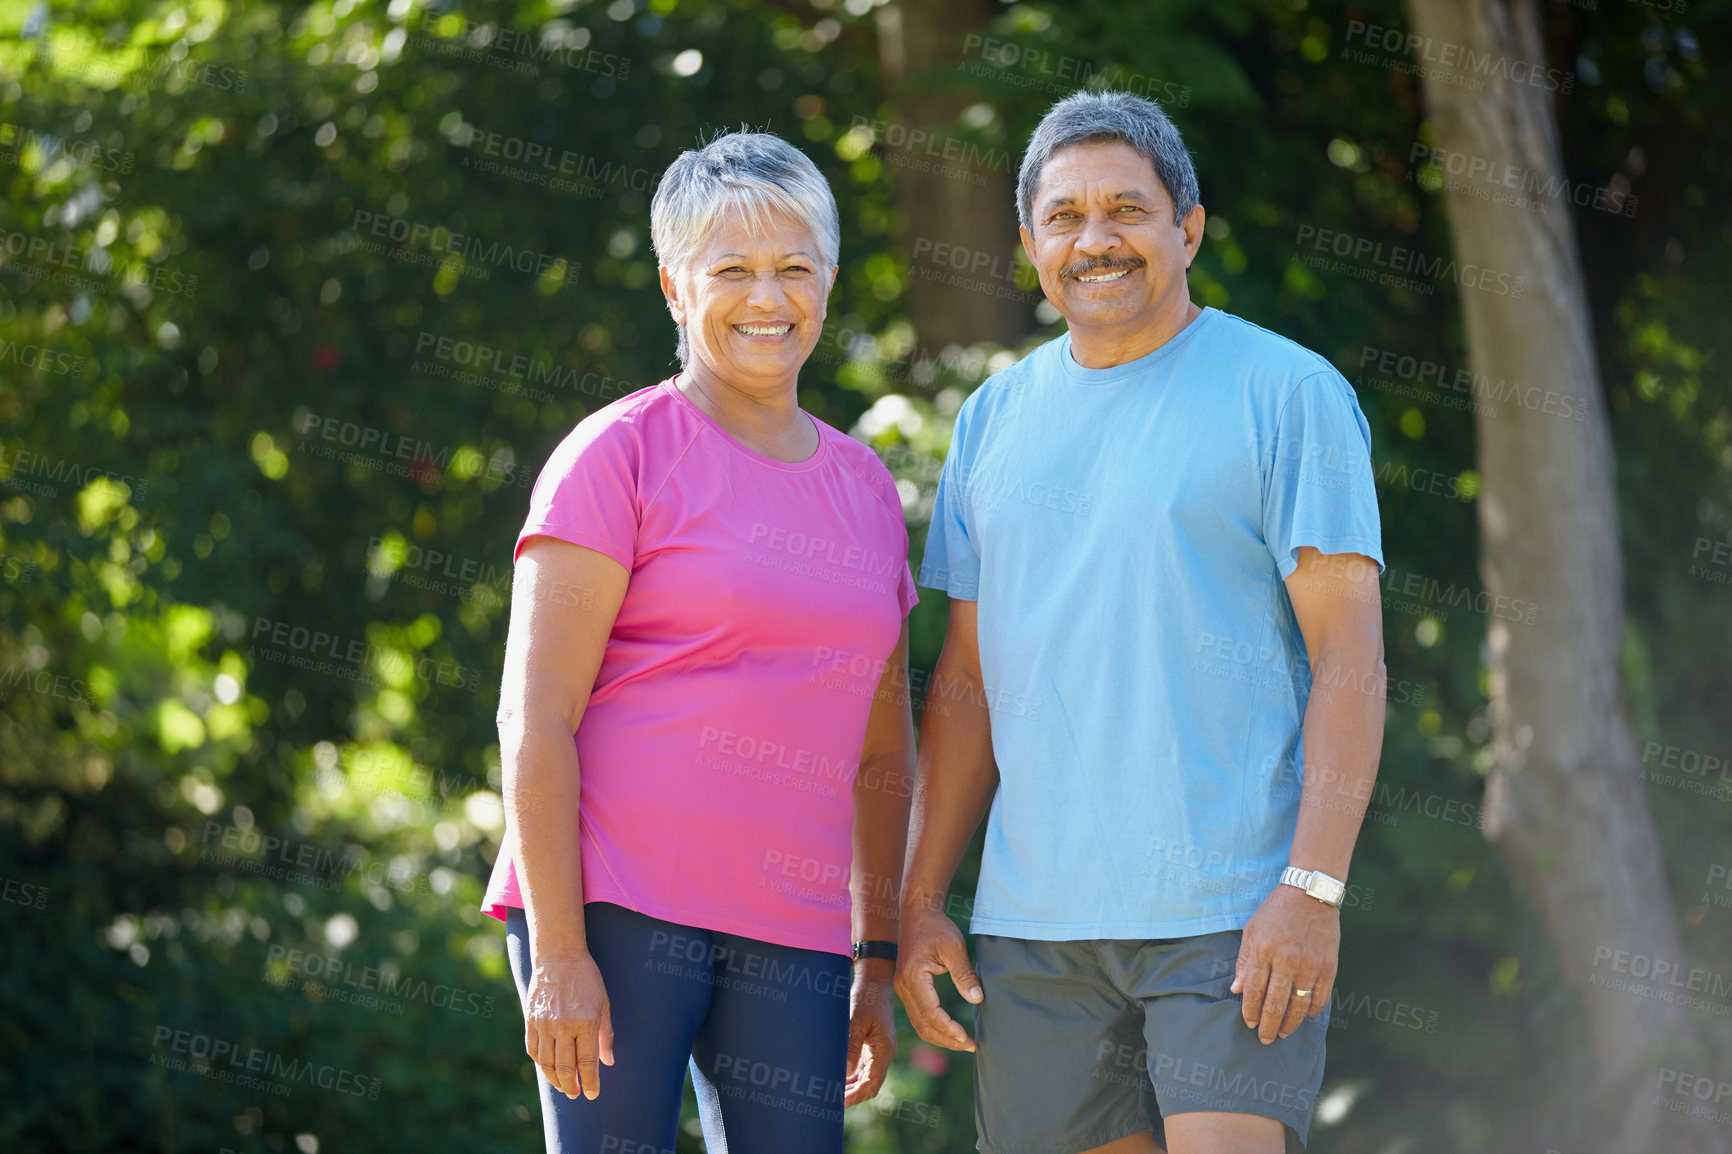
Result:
pixel 768 421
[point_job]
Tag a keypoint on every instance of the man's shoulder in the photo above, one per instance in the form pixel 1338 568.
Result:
pixel 1277 358
pixel 1015 378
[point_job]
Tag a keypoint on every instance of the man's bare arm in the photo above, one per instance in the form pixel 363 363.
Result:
pixel 954 782
pixel 1291 947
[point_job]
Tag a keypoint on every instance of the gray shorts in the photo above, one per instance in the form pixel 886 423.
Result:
pixel 1083 1043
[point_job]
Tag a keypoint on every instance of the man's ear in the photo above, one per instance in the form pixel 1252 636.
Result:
pixel 1192 226
pixel 1027 242
pixel 671 290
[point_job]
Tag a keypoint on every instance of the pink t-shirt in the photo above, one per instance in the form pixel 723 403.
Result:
pixel 719 748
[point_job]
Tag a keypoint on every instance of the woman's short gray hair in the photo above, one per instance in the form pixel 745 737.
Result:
pixel 1087 117
pixel 754 172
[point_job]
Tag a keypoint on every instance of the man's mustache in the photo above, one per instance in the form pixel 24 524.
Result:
pixel 1099 264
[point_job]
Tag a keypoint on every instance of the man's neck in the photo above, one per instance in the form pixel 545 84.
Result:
pixel 1103 348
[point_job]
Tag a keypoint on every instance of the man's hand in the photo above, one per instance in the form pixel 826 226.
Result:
pixel 1292 943
pixel 931 945
pixel 871 1030
pixel 567 1025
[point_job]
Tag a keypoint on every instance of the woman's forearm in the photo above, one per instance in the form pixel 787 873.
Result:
pixel 538 763
pixel 881 793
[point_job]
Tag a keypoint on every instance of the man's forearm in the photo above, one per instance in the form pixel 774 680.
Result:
pixel 538 766
pixel 1343 740
pixel 953 785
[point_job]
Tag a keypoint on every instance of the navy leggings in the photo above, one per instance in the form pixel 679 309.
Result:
pixel 763 1028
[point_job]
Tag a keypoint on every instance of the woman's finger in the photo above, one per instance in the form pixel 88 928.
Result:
pixel 565 1065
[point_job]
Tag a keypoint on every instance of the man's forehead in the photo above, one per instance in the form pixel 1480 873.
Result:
pixel 1097 165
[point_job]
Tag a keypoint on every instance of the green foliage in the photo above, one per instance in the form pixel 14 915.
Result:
pixel 245 715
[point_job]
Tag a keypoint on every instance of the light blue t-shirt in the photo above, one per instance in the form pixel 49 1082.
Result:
pixel 1126 533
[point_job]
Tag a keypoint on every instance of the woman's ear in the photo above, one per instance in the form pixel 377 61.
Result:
pixel 671 290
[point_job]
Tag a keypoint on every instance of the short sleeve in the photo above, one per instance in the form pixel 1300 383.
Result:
pixel 906 596
pixel 952 558
pixel 587 492
pixel 1320 490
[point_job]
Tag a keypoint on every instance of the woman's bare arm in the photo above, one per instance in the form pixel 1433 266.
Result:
pixel 564 599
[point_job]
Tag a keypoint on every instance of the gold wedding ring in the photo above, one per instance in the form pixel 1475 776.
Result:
pixel 1302 993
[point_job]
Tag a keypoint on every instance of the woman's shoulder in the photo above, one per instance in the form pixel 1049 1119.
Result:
pixel 643 422
pixel 863 462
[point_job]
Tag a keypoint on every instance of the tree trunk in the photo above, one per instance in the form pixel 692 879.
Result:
pixel 920 46
pixel 1565 802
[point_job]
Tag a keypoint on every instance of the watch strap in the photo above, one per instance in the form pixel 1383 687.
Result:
pixel 875 949
pixel 1330 891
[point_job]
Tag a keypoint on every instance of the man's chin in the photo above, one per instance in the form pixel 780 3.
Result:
pixel 1104 313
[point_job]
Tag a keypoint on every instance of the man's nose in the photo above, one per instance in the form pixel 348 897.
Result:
pixel 1099 235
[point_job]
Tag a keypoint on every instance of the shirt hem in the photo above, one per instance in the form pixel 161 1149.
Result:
pixel 572 536
pixel 694 920
pixel 956 590
pixel 1106 931
pixel 1329 547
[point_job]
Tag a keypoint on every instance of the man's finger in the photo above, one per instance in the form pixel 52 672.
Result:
pixel 1299 1005
pixel 1253 984
pixel 1275 999
pixel 927 1015
pixel 954 955
pixel 1325 990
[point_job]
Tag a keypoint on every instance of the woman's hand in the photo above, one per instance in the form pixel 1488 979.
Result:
pixel 871 1030
pixel 566 1023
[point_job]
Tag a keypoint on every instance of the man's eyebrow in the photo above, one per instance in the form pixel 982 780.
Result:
pixel 1061 200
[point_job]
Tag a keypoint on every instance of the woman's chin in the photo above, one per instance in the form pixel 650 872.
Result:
pixel 763 364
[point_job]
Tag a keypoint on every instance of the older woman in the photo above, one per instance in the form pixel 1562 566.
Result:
pixel 708 631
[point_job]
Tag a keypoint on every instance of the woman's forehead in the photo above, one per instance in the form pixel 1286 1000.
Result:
pixel 772 234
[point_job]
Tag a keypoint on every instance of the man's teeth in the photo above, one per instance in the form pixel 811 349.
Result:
pixel 763 330
pixel 1097 277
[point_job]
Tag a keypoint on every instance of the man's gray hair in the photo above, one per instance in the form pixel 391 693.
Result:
pixel 754 172
pixel 1087 117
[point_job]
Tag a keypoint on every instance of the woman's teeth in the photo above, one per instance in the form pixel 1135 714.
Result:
pixel 763 330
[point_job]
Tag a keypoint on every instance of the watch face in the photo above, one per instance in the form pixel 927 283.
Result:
pixel 1326 889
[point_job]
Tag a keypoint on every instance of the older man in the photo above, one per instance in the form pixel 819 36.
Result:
pixel 1164 673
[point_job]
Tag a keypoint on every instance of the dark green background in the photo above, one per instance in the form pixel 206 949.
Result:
pixel 237 146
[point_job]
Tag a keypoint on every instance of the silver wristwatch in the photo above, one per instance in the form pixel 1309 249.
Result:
pixel 1319 885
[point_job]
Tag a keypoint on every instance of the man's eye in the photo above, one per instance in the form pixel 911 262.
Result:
pixel 796 268
pixel 1128 208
